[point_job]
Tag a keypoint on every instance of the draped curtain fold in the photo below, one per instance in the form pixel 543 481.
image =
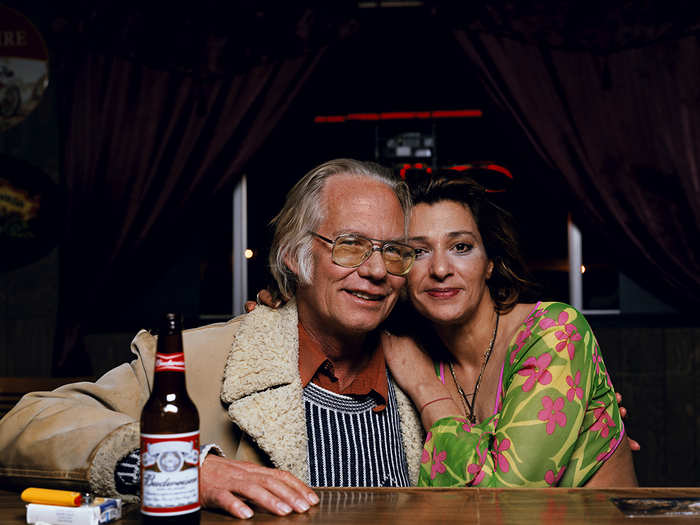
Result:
pixel 142 146
pixel 623 128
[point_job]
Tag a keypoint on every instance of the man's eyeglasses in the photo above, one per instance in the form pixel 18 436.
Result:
pixel 350 251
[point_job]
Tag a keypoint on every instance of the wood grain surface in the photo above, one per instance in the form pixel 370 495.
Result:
pixel 427 506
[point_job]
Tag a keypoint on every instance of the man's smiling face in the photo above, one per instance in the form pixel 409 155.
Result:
pixel 352 301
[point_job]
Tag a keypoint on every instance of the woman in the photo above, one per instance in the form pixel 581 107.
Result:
pixel 520 395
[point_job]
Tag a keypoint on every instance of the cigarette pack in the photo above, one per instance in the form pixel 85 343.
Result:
pixel 101 510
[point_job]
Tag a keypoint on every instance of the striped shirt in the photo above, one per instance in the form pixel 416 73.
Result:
pixel 350 445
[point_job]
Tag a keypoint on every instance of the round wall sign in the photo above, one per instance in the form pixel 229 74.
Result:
pixel 24 67
pixel 29 213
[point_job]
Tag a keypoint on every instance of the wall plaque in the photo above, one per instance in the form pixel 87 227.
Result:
pixel 29 213
pixel 24 67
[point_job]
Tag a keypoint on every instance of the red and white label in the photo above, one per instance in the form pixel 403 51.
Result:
pixel 170 362
pixel 169 474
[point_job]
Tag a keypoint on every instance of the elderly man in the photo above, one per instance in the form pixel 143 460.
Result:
pixel 303 388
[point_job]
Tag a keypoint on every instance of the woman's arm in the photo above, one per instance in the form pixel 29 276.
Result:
pixel 414 372
pixel 617 471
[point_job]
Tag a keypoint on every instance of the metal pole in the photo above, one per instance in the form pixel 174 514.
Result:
pixel 575 262
pixel 240 243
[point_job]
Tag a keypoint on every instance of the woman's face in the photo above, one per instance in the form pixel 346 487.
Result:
pixel 448 280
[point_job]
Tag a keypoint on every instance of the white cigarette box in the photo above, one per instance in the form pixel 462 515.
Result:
pixel 101 510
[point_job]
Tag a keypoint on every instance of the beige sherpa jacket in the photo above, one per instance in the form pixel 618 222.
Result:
pixel 242 375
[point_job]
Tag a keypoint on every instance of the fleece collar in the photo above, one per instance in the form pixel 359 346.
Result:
pixel 263 386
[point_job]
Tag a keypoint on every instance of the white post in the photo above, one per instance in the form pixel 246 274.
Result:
pixel 240 243
pixel 575 262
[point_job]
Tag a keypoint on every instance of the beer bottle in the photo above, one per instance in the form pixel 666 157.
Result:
pixel 170 437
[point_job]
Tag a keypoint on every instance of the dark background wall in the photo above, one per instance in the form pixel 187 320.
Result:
pixel 654 363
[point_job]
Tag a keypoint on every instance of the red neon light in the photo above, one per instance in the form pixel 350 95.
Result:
pixel 405 115
pixel 400 115
pixel 500 169
pixel 461 113
pixel 417 166
pixel 492 167
pixel 363 116
pixel 459 167
pixel 324 120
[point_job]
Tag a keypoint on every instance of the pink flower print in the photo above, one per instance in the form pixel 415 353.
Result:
pixel 467 426
pixel 525 333
pixel 530 321
pixel 597 358
pixel 547 323
pixel 603 421
pixel 425 457
pixel 520 342
pixel 537 370
pixel 565 336
pixel 553 480
pixel 438 467
pixel 575 390
pixel 604 455
pixel 499 460
pixel 552 414
pixel 472 469
pixel 476 468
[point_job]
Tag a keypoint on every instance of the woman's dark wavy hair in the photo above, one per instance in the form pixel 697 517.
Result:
pixel 509 282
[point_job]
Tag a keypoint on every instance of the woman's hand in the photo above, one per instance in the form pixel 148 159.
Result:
pixel 634 445
pixel 263 297
pixel 409 365
pixel 414 372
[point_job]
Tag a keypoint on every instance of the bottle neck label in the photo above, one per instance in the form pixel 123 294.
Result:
pixel 169 474
pixel 170 362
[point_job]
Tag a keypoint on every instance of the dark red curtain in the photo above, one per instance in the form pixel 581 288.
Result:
pixel 620 121
pixel 150 137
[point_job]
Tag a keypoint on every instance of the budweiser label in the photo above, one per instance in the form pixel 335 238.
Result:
pixel 170 362
pixel 169 473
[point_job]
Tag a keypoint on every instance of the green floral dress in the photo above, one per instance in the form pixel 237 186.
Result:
pixel 556 419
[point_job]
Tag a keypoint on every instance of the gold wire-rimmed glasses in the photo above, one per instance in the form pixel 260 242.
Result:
pixel 350 250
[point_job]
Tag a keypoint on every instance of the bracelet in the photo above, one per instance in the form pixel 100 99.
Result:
pixel 433 401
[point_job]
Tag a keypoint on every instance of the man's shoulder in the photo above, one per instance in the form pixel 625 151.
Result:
pixel 213 331
pixel 263 353
pixel 207 336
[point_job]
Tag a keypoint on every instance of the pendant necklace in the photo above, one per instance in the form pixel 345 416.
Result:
pixel 469 407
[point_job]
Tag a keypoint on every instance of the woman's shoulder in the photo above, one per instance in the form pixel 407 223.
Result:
pixel 557 313
pixel 528 317
pixel 555 310
pixel 554 306
pixel 526 313
pixel 545 324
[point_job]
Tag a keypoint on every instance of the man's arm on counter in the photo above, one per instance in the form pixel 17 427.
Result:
pixel 76 433
pixel 79 433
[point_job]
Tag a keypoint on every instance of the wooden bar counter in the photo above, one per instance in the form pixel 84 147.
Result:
pixel 416 506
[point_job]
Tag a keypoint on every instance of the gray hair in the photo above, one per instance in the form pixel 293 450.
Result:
pixel 303 212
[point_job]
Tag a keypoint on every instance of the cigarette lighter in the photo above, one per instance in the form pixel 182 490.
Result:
pixel 64 498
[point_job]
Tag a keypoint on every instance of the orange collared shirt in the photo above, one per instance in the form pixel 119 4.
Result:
pixel 314 366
